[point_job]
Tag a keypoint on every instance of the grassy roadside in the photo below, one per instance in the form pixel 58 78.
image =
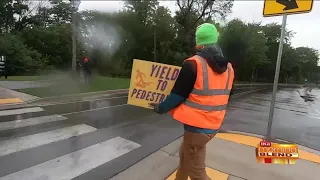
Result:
pixel 99 83
pixel 67 86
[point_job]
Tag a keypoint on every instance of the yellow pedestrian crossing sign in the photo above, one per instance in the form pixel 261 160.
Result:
pixel 280 7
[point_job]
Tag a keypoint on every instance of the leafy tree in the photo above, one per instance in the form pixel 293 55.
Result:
pixel 36 36
pixel 21 60
pixel 60 12
pixel 164 30
pixel 308 59
pixel 192 13
pixel 234 41
pixel 53 42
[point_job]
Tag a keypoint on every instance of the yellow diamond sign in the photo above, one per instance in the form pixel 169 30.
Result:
pixel 280 7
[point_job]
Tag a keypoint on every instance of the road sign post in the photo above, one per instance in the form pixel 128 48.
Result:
pixel 276 8
pixel 276 76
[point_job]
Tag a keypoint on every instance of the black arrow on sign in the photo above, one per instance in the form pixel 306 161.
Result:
pixel 290 4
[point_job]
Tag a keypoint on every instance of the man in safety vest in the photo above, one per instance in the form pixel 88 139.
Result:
pixel 199 100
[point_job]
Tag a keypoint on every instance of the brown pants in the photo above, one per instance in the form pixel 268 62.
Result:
pixel 192 156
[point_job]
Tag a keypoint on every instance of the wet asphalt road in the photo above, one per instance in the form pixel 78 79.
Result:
pixel 294 120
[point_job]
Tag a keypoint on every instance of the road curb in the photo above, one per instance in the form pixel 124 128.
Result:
pixel 168 154
pixel 275 140
pixel 117 90
pixel 81 95
pixel 14 106
pixel 236 95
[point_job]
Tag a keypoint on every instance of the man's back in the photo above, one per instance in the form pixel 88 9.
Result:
pixel 199 100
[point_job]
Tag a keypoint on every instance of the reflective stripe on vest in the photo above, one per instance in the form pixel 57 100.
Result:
pixel 208 92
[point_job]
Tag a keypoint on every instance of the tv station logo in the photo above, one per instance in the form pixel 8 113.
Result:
pixel 272 153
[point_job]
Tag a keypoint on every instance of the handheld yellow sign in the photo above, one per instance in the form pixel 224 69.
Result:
pixel 151 82
pixel 280 7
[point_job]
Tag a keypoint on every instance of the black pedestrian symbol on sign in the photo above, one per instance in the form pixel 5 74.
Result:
pixel 290 4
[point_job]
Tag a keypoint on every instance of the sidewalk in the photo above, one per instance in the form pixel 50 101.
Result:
pixel 229 157
pixel 9 97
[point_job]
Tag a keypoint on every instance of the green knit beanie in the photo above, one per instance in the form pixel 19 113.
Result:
pixel 206 34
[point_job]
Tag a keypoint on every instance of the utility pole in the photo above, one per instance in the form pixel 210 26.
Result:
pixel 75 4
pixel 154 44
pixel 74 43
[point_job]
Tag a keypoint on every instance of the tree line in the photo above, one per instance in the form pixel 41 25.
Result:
pixel 36 38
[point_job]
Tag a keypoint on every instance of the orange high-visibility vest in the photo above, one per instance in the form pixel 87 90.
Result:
pixel 207 103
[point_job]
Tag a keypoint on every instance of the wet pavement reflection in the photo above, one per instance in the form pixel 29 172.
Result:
pixel 64 108
pixel 96 121
pixel 296 117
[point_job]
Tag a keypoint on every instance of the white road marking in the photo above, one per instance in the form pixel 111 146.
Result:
pixel 74 164
pixel 20 111
pixel 318 112
pixel 94 99
pixel 30 122
pixel 313 114
pixel 95 109
pixel 314 117
pixel 31 141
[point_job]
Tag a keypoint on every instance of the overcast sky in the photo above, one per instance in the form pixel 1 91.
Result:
pixel 306 26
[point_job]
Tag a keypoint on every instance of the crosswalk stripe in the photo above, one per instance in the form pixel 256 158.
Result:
pixel 20 111
pixel 74 164
pixel 30 122
pixel 315 117
pixel 31 141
